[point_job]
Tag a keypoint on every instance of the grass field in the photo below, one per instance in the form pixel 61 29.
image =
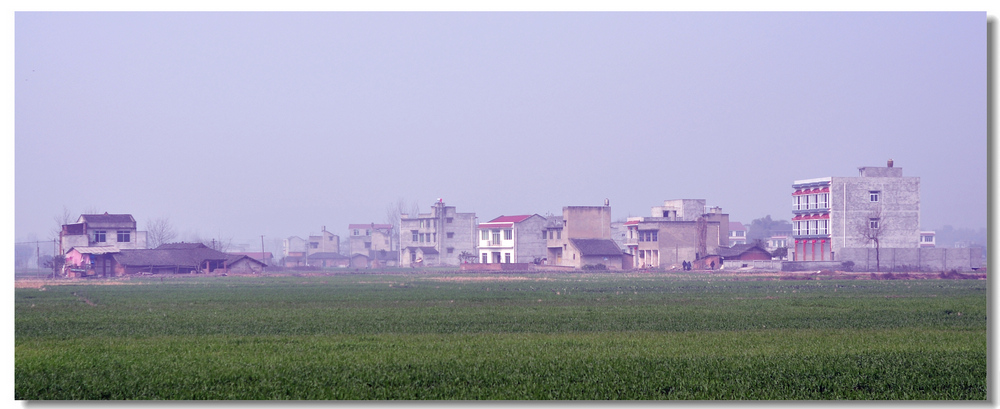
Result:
pixel 490 336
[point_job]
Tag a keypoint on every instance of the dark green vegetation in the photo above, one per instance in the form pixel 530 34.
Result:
pixel 539 336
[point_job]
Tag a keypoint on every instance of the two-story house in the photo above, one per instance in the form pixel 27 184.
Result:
pixel 737 233
pixel 373 242
pixel 102 230
pixel 512 239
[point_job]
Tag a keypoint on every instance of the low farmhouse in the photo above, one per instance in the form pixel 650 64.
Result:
pixel 174 258
pixel 243 264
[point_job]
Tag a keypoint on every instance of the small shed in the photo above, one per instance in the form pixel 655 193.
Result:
pixel 89 261
pixel 243 264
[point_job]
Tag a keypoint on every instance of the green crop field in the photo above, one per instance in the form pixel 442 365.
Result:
pixel 501 336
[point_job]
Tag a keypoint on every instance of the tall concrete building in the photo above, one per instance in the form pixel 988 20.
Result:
pixel 582 237
pixel 437 238
pixel 833 213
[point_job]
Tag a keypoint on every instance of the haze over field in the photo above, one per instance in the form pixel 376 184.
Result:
pixel 237 125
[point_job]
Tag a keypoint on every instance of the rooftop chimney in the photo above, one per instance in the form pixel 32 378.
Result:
pixel 889 164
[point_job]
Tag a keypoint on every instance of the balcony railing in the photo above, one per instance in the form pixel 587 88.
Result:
pixel 810 206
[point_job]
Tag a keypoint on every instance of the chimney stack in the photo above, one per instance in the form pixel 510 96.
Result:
pixel 889 164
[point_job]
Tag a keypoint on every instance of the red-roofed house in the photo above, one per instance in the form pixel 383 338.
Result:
pixel 512 239
pixel 737 233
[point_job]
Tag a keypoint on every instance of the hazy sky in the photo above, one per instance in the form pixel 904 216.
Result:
pixel 247 124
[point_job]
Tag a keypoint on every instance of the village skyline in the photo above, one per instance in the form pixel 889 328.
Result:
pixel 237 125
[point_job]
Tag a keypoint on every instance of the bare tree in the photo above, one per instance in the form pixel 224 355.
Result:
pixel 872 230
pixel 65 218
pixel 220 244
pixel 414 209
pixel 393 212
pixel 159 231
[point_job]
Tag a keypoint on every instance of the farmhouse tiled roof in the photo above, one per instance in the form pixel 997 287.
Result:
pixel 107 218
pixel 738 249
pixel 189 257
pixel 733 226
pixel 181 246
pixel 234 258
pixel 597 247
pixel 94 249
pixel 511 219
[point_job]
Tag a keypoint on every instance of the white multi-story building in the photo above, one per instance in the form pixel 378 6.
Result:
pixel 832 213
pixel 512 239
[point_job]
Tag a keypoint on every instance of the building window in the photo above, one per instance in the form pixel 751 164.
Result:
pixel 421 237
pixel 506 258
pixel 435 237
pixel 550 234
pixel 100 236
pixel 368 232
pixel 873 223
pixel 653 233
pixel 486 259
pixel 448 220
pixel 451 250
pixel 414 235
pixel 124 236
pixel 485 234
pixel 558 234
pixel 314 244
pixel 368 244
pixel 508 234
pixel 451 235
pixel 874 195
pixel 330 238
pixel 356 232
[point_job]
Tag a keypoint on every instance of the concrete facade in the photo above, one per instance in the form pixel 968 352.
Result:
pixel 437 238
pixel 374 241
pixel 688 231
pixel 325 242
pixel 512 239
pixel 577 222
pixel 99 230
pixel 832 213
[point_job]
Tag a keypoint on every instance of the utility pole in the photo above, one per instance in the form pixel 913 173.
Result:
pixel 262 256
